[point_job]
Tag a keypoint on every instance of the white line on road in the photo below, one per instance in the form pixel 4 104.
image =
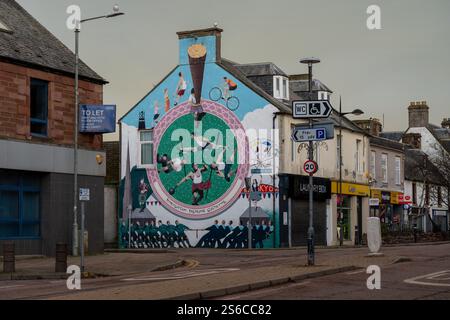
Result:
pixel 182 275
pixel 356 272
pixel 9 287
pixel 432 276
pixel 247 294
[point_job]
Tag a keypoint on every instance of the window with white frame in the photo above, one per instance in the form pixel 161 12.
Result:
pixel 358 155
pixel 397 170
pixel 338 151
pixel 384 168
pixel 372 164
pixel 280 87
pixel 146 147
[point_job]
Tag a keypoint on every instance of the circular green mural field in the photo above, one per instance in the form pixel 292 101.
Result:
pixel 197 165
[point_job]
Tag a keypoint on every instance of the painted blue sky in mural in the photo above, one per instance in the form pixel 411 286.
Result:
pixel 154 101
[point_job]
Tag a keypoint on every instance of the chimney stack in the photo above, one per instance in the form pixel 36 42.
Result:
pixel 418 114
pixel 373 126
pixel 413 139
pixel 210 38
pixel 446 123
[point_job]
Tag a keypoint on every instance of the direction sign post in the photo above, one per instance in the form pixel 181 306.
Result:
pixel 309 110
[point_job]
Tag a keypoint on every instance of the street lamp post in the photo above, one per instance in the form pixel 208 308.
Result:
pixel 356 112
pixel 310 62
pixel 75 132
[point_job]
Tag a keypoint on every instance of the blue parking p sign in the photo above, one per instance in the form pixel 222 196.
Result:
pixel 321 134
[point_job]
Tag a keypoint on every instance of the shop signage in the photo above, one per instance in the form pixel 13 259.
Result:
pixel 299 188
pixel 440 213
pixel 385 197
pixel 351 189
pixel 404 199
pixel 374 202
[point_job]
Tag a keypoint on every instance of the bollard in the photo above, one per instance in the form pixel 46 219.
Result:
pixel 9 257
pixel 357 243
pixel 61 257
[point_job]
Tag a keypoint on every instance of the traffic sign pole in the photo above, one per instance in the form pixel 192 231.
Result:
pixel 311 206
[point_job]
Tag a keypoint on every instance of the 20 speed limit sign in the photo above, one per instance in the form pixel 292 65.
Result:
pixel 310 167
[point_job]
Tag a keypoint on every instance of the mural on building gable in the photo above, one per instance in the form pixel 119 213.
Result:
pixel 190 157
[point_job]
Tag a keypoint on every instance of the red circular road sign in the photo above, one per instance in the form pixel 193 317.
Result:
pixel 310 167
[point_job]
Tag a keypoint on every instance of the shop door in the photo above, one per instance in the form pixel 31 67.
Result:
pixel 300 222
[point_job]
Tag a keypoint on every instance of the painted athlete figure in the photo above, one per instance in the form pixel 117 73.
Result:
pixel 223 169
pixel 198 185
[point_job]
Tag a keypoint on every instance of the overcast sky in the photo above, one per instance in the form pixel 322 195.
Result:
pixel 379 71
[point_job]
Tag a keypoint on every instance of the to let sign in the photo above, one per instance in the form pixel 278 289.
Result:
pixel 97 118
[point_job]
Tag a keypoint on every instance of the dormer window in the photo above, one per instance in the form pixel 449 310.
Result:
pixel 280 87
pixel 322 95
pixel 4 28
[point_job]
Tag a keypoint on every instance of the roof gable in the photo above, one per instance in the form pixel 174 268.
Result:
pixel 30 43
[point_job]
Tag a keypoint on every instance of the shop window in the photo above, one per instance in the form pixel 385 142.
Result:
pixel 344 220
pixel 19 206
pixel 38 107
pixel 146 149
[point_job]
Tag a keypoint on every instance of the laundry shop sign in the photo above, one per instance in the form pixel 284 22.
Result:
pixel 299 188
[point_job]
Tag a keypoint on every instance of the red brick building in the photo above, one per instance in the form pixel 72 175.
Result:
pixel 36 137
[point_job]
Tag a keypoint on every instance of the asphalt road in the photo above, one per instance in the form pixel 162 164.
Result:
pixel 427 276
pixel 424 275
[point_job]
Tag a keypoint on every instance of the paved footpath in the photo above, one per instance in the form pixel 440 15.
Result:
pixel 208 273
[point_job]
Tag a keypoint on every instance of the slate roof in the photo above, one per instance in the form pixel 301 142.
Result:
pixel 260 69
pixel 231 67
pixel 393 135
pixel 29 43
pixel 419 168
pixel 383 142
pixel 302 86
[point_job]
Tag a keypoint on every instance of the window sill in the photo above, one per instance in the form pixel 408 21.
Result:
pixel 39 136
pixel 19 238
pixel 146 166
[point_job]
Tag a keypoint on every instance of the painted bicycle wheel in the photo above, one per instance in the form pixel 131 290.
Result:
pixel 215 94
pixel 233 103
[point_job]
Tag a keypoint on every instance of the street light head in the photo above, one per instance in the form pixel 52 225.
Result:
pixel 310 60
pixel 357 112
pixel 112 15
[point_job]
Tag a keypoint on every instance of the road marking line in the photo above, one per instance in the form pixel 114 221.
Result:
pixel 9 287
pixel 182 275
pixel 356 272
pixel 264 291
pixel 430 277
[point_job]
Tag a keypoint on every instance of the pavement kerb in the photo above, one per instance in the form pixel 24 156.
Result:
pixel 57 276
pixel 216 293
